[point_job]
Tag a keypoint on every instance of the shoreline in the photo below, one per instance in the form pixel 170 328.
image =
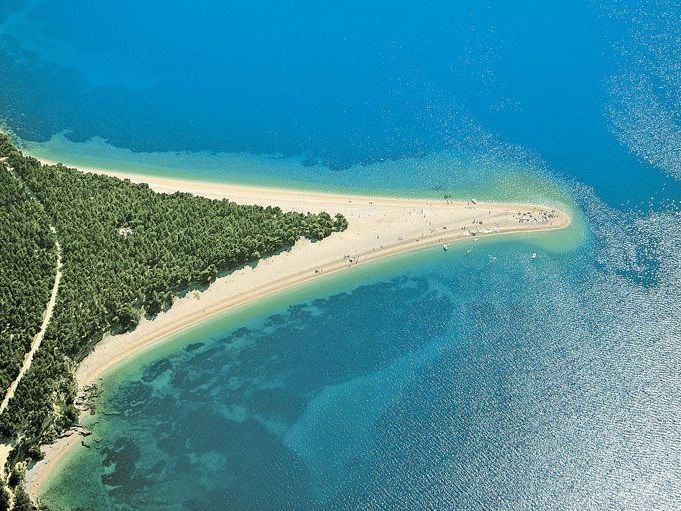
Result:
pixel 379 227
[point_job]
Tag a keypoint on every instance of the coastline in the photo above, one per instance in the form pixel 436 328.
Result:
pixel 378 227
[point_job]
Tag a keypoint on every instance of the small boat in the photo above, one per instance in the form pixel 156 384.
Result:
pixel 445 246
pixel 534 255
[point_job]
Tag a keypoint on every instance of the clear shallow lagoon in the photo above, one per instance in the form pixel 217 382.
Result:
pixel 475 380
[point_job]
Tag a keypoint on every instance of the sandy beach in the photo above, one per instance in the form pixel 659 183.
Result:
pixel 378 227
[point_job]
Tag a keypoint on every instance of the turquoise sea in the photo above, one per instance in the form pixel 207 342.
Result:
pixel 477 379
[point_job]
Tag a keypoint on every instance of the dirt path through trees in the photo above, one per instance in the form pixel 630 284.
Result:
pixel 35 344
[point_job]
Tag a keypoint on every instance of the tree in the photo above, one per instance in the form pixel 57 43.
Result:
pixel 22 502
pixel 4 497
pixel 153 303
pixel 128 317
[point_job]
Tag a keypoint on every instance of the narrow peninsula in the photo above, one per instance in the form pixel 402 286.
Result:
pixel 122 261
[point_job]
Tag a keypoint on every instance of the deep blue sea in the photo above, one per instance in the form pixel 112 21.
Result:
pixel 480 379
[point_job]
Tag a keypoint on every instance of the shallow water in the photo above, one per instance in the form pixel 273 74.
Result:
pixel 471 380
pixel 483 380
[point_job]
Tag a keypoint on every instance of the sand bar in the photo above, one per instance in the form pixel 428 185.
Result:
pixel 378 227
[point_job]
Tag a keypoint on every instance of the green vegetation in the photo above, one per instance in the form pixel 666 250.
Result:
pixel 22 502
pixel 27 269
pixel 5 498
pixel 126 251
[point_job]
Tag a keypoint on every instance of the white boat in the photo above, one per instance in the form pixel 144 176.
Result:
pixel 445 246
pixel 534 255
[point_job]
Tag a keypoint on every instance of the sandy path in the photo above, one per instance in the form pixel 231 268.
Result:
pixel 378 227
pixel 38 338
pixel 47 315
